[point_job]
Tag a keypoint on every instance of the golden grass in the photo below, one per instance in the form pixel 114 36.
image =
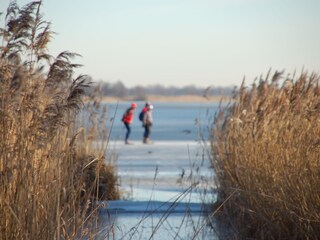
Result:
pixel 266 157
pixel 47 179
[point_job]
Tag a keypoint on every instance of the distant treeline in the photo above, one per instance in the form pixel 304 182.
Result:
pixel 118 89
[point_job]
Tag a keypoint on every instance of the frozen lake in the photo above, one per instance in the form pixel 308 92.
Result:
pixel 166 186
pixel 163 170
pixel 172 121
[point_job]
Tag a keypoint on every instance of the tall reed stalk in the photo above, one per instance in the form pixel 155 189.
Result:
pixel 46 179
pixel 266 155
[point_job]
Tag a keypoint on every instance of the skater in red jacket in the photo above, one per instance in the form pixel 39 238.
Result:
pixel 127 120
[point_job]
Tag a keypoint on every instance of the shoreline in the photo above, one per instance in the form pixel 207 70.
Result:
pixel 161 98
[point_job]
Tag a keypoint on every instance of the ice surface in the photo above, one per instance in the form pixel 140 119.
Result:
pixel 166 187
pixel 163 170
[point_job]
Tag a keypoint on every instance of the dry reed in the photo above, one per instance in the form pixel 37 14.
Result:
pixel 266 155
pixel 46 180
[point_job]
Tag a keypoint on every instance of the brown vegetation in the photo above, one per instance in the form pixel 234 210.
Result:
pixel 162 98
pixel 119 90
pixel 266 157
pixel 47 176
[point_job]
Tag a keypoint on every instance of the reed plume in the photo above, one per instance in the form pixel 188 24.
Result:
pixel 265 148
pixel 47 180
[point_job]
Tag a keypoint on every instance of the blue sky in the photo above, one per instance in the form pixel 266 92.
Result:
pixel 183 42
